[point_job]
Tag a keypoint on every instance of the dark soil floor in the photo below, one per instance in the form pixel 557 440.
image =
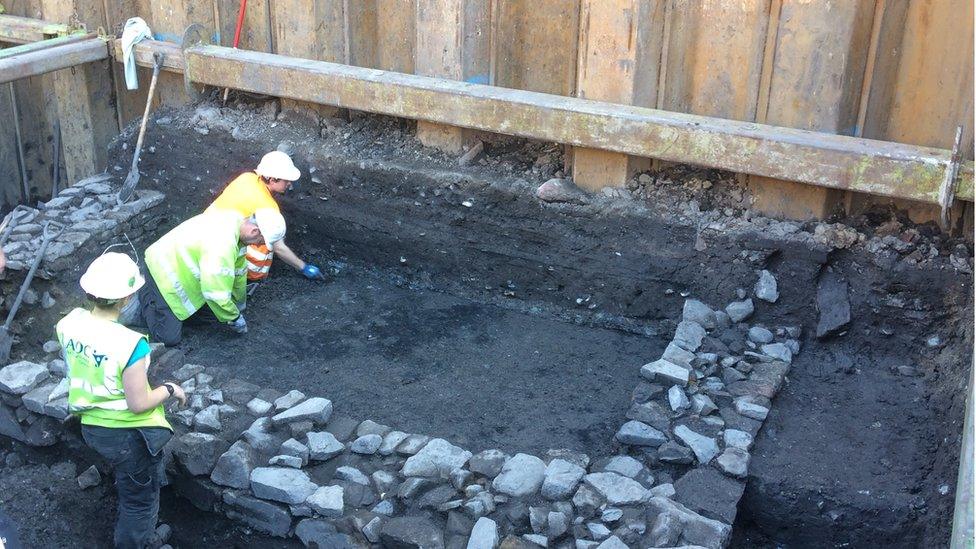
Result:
pixel 465 308
pixel 426 362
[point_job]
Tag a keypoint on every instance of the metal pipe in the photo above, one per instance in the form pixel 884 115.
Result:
pixel 51 59
pixel 23 30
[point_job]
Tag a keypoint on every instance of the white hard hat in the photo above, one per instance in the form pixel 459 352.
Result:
pixel 271 224
pixel 112 276
pixel 278 165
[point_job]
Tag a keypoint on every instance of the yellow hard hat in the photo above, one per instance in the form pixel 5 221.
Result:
pixel 112 276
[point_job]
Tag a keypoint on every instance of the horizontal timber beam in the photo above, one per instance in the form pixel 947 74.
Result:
pixel 23 30
pixel 826 160
pixel 40 61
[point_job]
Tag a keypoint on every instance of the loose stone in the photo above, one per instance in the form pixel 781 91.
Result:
pixel 290 399
pixel 522 475
pixel 677 399
pixel 317 410
pixel 665 372
pixel 390 441
pixel 689 335
pixel 738 439
pixel 617 489
pixel 747 407
pixel 484 535
pixel 702 405
pixel 352 474
pixel 91 477
pixel 234 466
pixel 21 377
pixel 705 448
pixel 696 311
pixel 740 310
pixel 437 458
pixel 766 288
pixel 561 479
pixel 624 465
pixel 758 334
pixel 323 445
pixel 778 351
pixel 286 461
pixel 281 484
pixel 733 462
pixel 636 433
pixel 366 444
pixel 258 407
pixel 327 501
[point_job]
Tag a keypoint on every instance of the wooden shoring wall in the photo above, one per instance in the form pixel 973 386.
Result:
pixel 896 70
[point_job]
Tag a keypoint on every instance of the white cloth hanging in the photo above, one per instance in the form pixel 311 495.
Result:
pixel 135 30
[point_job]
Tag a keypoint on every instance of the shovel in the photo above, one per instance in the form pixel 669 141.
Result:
pixel 6 340
pixel 132 179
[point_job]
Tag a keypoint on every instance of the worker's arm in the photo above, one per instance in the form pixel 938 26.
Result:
pixel 284 252
pixel 138 397
pixel 310 271
pixel 218 276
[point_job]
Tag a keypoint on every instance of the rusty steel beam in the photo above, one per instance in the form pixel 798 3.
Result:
pixel 43 44
pixel 826 160
pixel 23 30
pixel 40 61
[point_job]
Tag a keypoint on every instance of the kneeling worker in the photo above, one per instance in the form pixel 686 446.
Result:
pixel 122 417
pixel 252 191
pixel 201 262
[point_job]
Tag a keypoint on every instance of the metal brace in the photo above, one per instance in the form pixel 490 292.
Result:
pixel 947 191
pixel 194 35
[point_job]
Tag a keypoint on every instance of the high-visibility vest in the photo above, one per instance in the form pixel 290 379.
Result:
pixel 97 351
pixel 201 261
pixel 259 258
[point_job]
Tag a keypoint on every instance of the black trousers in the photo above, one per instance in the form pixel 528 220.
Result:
pixel 161 323
pixel 136 456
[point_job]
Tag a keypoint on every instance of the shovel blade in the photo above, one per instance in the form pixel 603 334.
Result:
pixel 129 186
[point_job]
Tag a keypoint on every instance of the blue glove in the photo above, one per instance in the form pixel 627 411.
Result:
pixel 312 272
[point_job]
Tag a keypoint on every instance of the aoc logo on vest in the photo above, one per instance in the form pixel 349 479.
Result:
pixel 79 348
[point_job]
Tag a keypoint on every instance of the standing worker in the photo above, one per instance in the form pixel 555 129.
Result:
pixel 122 417
pixel 201 262
pixel 252 191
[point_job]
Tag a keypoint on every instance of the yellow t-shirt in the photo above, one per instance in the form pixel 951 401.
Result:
pixel 245 195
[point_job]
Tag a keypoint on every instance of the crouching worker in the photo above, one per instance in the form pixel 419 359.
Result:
pixel 252 191
pixel 122 417
pixel 201 262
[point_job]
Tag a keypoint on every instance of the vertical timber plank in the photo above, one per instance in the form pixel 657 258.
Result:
pixel 452 42
pixel 815 81
pixel 170 18
pixel 617 63
pixel 88 119
pixel 922 86
pixel 535 45
pixel 310 29
pixel 38 112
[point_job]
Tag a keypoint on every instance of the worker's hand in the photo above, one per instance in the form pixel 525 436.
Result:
pixel 312 272
pixel 178 392
pixel 239 325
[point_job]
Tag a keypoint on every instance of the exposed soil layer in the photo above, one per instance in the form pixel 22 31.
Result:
pixel 466 308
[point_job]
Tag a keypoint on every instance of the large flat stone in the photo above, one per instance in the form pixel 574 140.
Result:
pixel 282 484
pixel 698 312
pixel 636 433
pixel 484 535
pixel 833 304
pixel 411 533
pixel 21 377
pixel 707 491
pixel 259 514
pixel 316 409
pixel 689 335
pixel 327 501
pixel 617 489
pixel 322 534
pixel 689 527
pixel 665 372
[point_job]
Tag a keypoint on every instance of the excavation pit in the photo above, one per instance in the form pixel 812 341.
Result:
pixel 463 307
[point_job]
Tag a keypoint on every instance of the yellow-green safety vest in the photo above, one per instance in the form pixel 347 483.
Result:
pixel 201 261
pixel 97 351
